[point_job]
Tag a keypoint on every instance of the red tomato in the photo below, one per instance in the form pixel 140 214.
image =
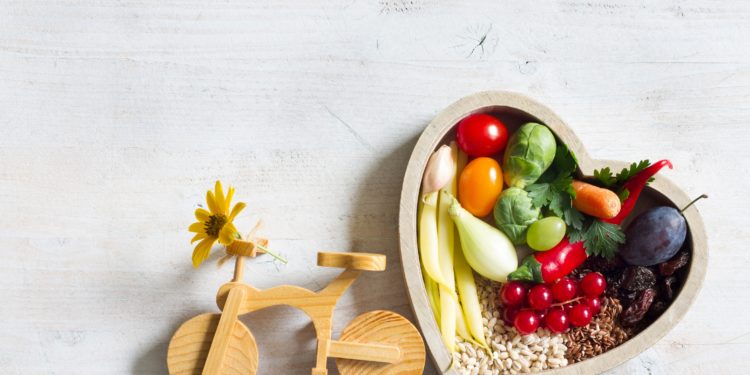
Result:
pixel 479 185
pixel 481 135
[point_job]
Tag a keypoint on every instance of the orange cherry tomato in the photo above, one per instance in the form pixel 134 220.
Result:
pixel 479 185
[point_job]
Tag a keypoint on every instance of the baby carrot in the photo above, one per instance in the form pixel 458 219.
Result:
pixel 595 201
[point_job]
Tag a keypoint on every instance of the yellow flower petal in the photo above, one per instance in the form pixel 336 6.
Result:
pixel 198 236
pixel 219 196
pixel 226 236
pixel 211 202
pixel 201 214
pixel 236 210
pixel 232 228
pixel 228 199
pixel 202 250
pixel 197 227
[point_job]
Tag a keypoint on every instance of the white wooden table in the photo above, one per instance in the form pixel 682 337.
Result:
pixel 115 117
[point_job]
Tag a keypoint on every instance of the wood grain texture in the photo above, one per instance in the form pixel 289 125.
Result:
pixel 515 109
pixel 381 336
pixel 116 117
pixel 384 327
pixel 189 349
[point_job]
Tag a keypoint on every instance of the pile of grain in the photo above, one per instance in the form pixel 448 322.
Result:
pixel 602 334
pixel 511 352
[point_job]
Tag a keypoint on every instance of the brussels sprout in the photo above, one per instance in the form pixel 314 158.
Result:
pixel 514 213
pixel 530 152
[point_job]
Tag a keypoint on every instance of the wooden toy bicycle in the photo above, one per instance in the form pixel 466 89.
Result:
pixel 376 342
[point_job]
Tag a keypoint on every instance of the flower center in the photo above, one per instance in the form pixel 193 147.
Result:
pixel 214 224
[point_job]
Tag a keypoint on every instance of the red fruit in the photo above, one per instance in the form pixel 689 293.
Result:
pixel 580 315
pixel 593 284
pixel 594 303
pixel 481 135
pixel 526 322
pixel 509 315
pixel 557 321
pixel 541 315
pixel 540 297
pixel 564 289
pixel 512 293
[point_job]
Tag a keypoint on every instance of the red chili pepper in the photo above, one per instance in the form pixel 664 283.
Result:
pixel 561 260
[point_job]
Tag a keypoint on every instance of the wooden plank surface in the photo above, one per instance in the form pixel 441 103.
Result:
pixel 117 116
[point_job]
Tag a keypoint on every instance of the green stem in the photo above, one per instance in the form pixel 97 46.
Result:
pixel 268 251
pixel 693 201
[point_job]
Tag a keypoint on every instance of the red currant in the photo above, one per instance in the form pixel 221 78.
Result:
pixel 580 315
pixel 540 297
pixel 509 314
pixel 526 322
pixel 557 321
pixel 594 303
pixel 564 289
pixel 593 284
pixel 512 293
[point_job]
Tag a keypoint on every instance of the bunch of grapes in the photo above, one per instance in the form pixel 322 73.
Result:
pixel 558 306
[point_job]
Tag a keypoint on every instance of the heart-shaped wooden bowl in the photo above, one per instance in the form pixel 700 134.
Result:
pixel 514 110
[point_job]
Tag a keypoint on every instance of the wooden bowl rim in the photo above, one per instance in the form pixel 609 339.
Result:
pixel 492 100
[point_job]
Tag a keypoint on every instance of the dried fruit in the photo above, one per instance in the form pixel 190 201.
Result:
pixel 657 308
pixel 638 309
pixel 669 267
pixel 638 278
pixel 604 265
pixel 668 286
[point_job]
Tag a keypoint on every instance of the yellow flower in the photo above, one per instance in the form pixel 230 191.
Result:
pixel 215 223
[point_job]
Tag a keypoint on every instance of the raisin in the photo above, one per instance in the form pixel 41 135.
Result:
pixel 604 265
pixel 668 286
pixel 669 267
pixel 614 281
pixel 638 278
pixel 657 308
pixel 638 309
pixel 627 297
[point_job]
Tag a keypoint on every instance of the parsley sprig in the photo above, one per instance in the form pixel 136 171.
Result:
pixel 554 191
pixel 599 237
pixel 605 177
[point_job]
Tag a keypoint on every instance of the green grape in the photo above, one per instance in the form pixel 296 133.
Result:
pixel 544 234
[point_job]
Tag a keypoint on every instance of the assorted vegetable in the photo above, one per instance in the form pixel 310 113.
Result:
pixel 487 250
pixel 538 198
pixel 481 135
pixel 480 184
pixel 514 213
pixel 595 201
pixel 529 153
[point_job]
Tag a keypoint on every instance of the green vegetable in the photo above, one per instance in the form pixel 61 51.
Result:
pixel 513 213
pixel 487 250
pixel 605 177
pixel 599 238
pixel 529 153
pixel 554 190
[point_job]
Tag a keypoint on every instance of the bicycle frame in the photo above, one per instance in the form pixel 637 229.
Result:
pixel 236 298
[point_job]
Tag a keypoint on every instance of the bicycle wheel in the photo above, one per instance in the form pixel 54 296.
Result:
pixel 384 327
pixel 189 347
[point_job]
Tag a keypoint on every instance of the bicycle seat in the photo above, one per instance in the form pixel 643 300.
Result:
pixel 355 261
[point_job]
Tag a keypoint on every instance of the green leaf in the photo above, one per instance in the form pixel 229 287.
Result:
pixel 540 194
pixel 623 194
pixel 603 239
pixel 513 214
pixel 604 176
pixel 626 173
pixel 573 218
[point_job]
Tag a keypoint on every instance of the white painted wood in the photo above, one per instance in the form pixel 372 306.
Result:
pixel 117 116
